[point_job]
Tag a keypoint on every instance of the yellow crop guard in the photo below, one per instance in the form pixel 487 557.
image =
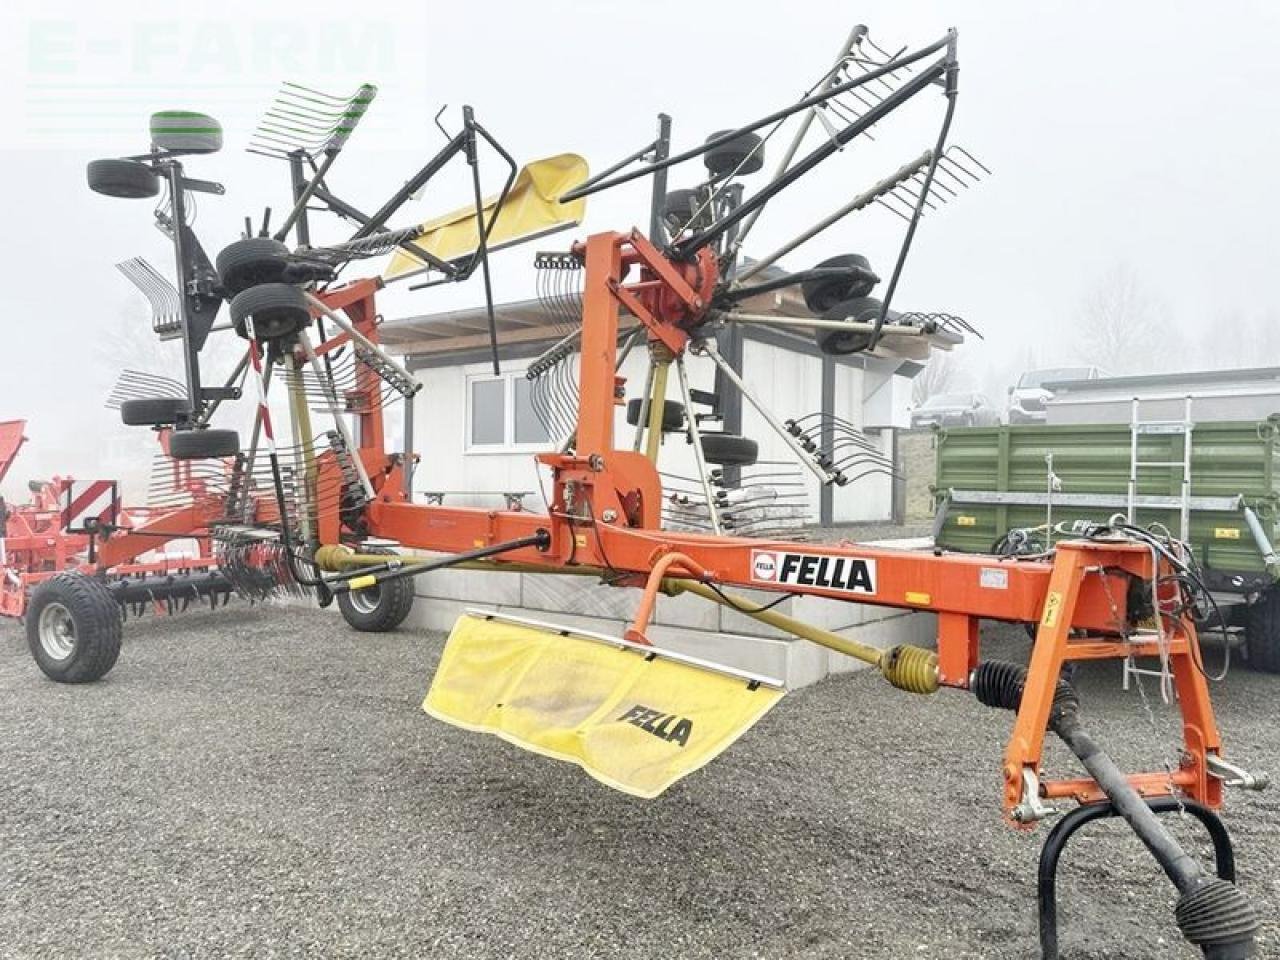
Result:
pixel 634 717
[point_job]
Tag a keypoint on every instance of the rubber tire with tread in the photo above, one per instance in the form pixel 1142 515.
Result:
pixel 247 263
pixel 838 343
pixel 678 207
pixel 203 444
pixel 1262 632
pixel 96 619
pixel 823 293
pixel 725 158
pixel 130 179
pixel 729 449
pixel 277 309
pixel 154 411
pixel 395 600
pixel 672 414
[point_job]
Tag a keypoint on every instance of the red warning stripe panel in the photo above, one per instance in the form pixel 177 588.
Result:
pixel 98 501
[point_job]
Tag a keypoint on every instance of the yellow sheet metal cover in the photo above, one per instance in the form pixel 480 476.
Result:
pixel 635 723
pixel 532 208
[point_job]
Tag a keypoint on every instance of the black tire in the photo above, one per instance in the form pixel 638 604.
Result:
pixel 154 411
pixel 74 628
pixel 1262 632
pixel 203 444
pixel 378 609
pixel 247 263
pixel 277 309
pixel 838 343
pixel 678 208
pixel 729 449
pixel 823 293
pixel 672 414
pixel 122 178
pixel 724 159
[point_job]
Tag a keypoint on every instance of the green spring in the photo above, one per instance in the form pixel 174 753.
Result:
pixel 913 669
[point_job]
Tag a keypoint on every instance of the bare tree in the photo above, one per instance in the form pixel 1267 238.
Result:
pixel 1234 340
pixel 1118 327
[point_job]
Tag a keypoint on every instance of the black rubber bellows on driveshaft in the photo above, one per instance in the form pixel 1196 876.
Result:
pixel 1218 918
pixel 999 684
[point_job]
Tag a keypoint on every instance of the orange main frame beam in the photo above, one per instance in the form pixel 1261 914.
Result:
pixel 604 512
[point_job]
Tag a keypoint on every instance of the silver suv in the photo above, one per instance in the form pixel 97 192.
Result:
pixel 1027 398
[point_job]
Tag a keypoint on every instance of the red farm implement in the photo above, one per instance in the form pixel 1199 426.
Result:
pixel 61 530
pixel 305 509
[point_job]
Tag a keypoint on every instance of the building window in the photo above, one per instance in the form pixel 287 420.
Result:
pixel 500 415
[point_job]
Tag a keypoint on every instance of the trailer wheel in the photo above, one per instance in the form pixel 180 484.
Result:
pixel 822 293
pixel 729 449
pixel 154 411
pixel 725 158
pixel 73 628
pixel 122 178
pixel 203 444
pixel 247 263
pixel 381 608
pixel 277 309
pixel 672 414
pixel 1262 632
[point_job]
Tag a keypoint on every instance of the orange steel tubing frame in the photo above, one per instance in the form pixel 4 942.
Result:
pixel 605 510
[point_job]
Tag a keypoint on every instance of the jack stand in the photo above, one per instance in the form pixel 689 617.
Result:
pixel 1064 829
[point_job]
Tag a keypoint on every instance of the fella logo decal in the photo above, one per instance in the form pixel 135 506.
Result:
pixel 664 726
pixel 847 574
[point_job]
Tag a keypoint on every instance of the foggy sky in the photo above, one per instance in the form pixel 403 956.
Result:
pixel 1140 135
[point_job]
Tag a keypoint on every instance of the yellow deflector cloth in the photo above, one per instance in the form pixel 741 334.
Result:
pixel 532 208
pixel 635 722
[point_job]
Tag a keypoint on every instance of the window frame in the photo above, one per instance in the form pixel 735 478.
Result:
pixel 508 444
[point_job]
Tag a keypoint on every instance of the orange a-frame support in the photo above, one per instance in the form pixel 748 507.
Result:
pixel 605 511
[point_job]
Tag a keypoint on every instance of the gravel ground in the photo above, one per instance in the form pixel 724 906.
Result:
pixel 261 783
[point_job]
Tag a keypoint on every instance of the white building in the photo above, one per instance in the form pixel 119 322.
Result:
pixel 478 433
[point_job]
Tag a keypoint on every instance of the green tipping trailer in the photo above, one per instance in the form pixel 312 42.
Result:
pixel 991 481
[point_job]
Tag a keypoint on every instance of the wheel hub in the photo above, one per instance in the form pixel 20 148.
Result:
pixel 57 631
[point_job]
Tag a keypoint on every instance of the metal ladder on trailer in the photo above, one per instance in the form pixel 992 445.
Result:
pixel 1139 428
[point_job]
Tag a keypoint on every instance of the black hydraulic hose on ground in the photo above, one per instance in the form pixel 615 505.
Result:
pixel 1212 913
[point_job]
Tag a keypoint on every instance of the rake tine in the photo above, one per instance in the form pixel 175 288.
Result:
pixel 938 184
pixel 957 170
pixel 319 94
pixel 914 187
pixel 914 195
pixel 884 201
pixel 956 148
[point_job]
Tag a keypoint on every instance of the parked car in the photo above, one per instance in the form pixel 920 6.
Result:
pixel 955 410
pixel 1028 396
